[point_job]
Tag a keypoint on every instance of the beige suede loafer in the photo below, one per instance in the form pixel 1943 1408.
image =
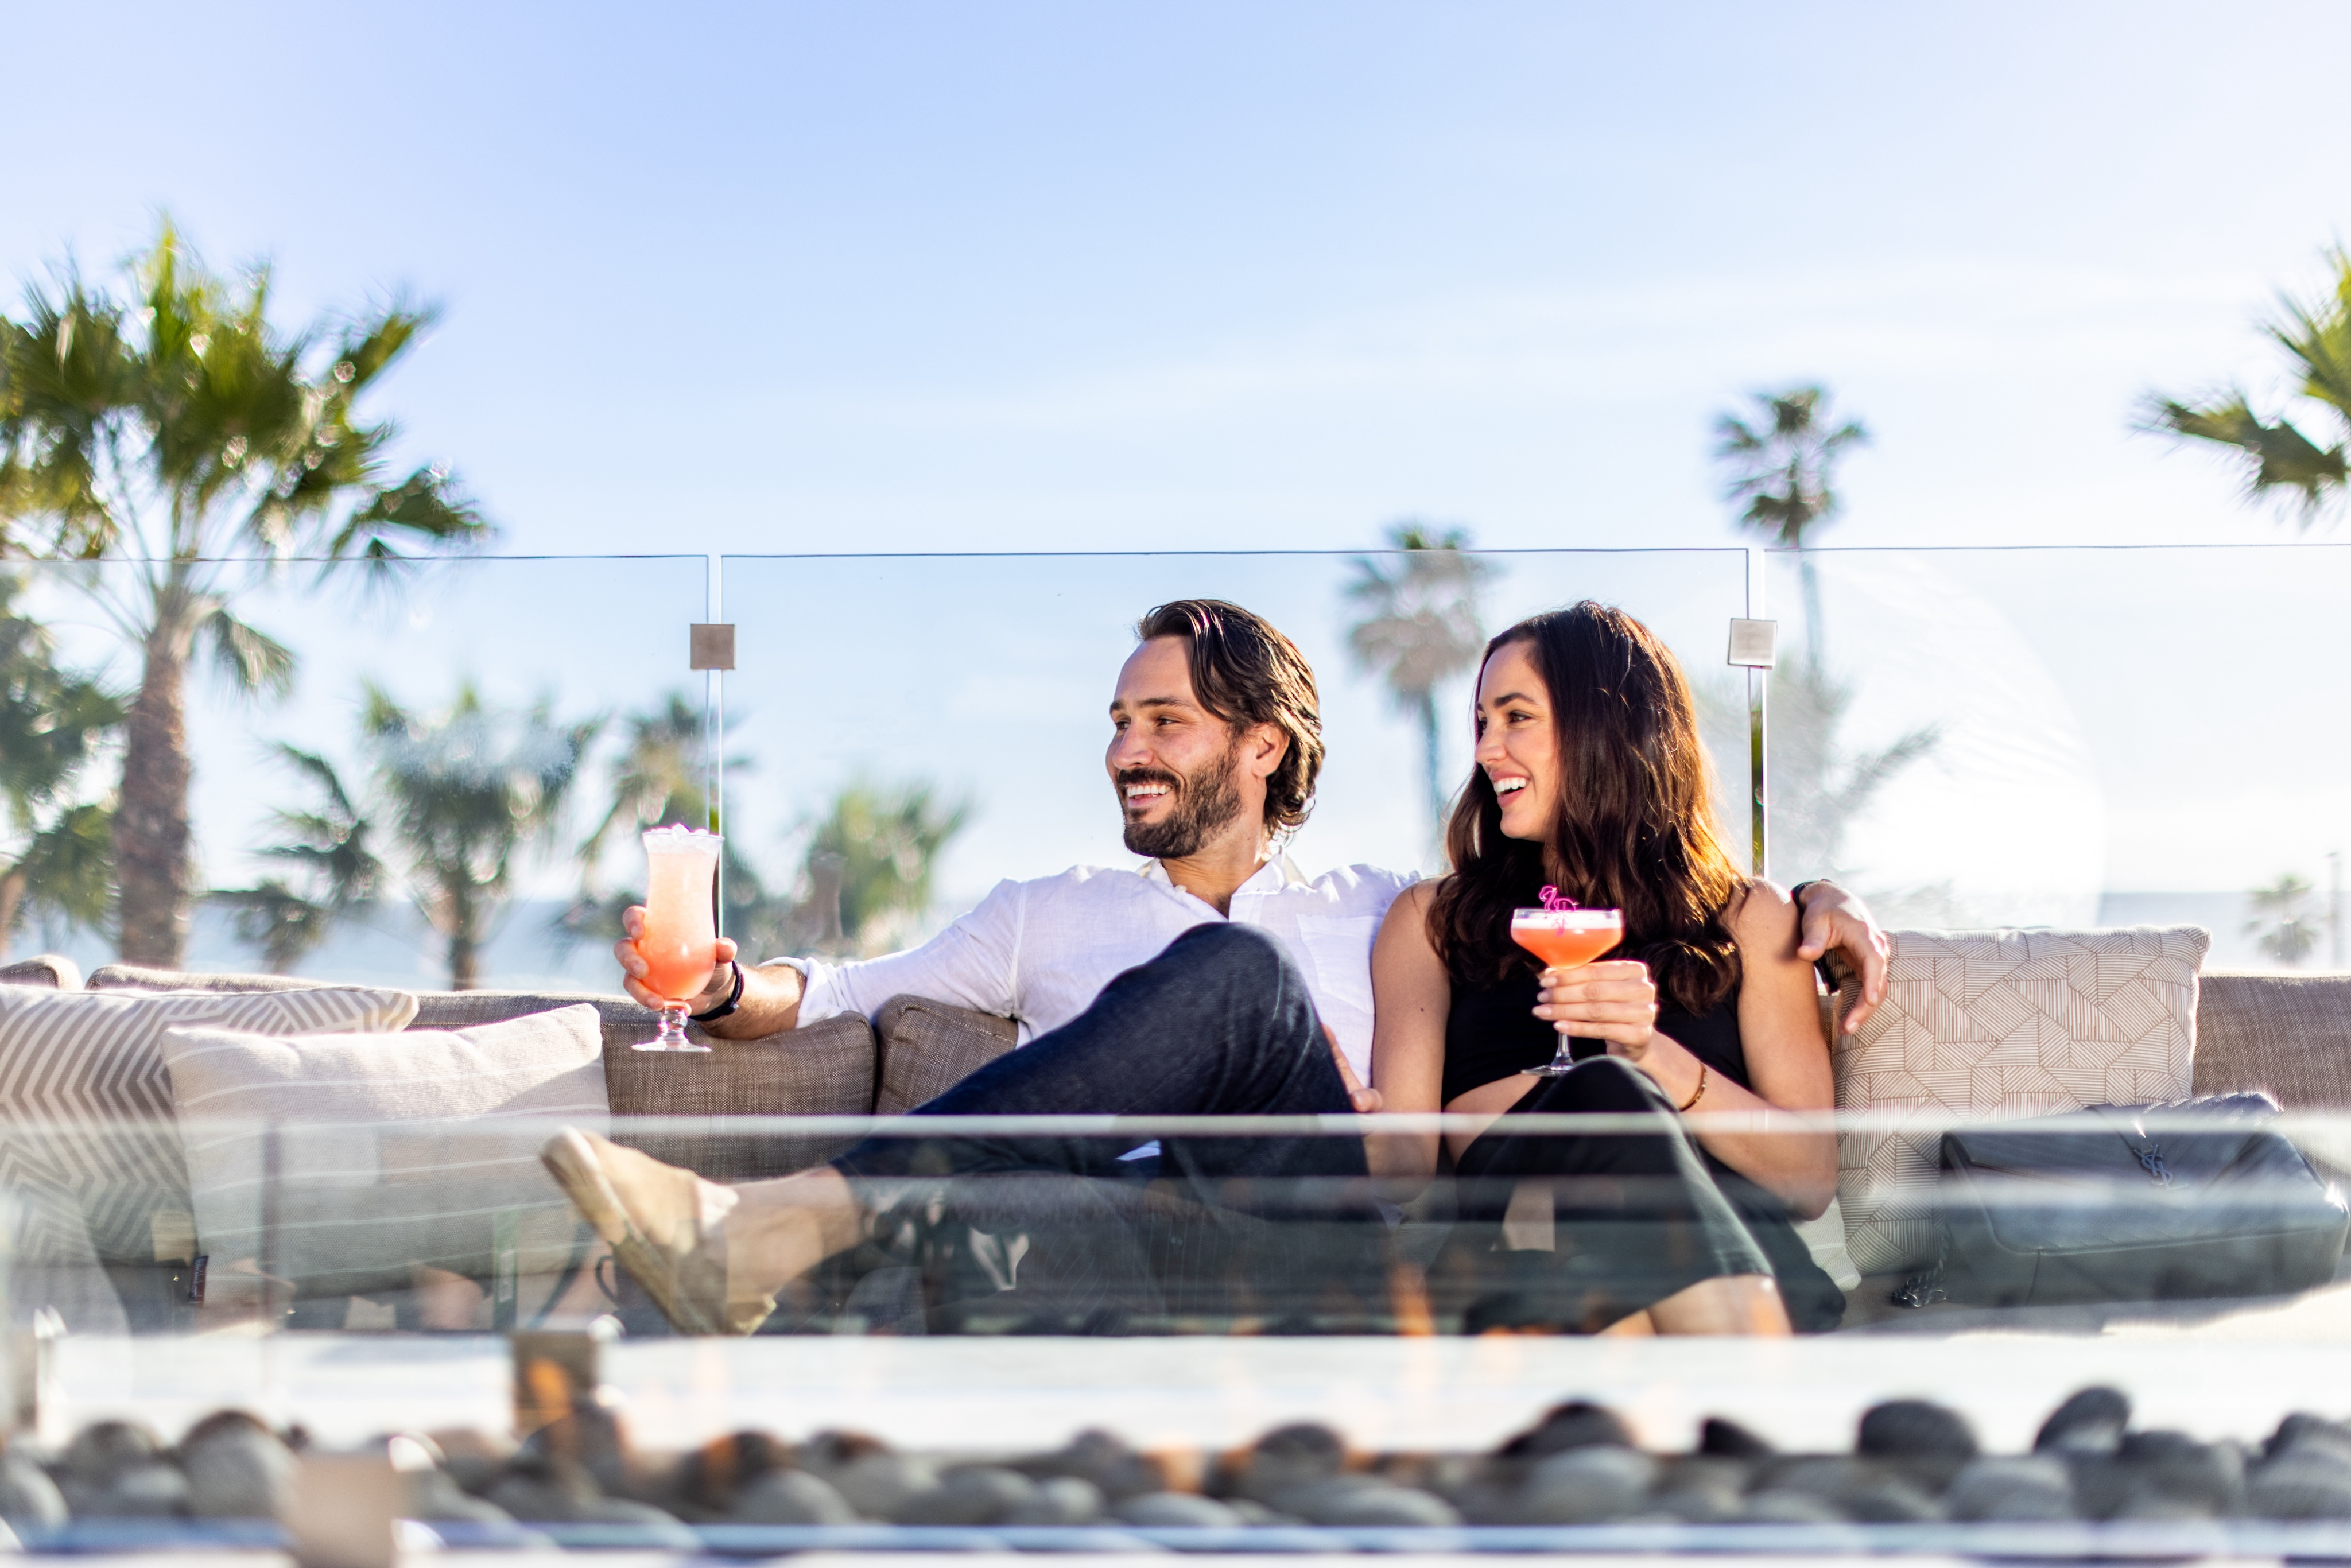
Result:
pixel 663 1224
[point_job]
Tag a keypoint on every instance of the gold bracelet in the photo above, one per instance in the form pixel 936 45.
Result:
pixel 1695 1092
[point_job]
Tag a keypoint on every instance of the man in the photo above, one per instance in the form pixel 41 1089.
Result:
pixel 1141 995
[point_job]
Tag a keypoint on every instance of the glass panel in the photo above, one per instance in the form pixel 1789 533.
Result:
pixel 591 642
pixel 2070 737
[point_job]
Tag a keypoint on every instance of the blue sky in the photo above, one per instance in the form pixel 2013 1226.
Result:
pixel 991 277
pixel 792 277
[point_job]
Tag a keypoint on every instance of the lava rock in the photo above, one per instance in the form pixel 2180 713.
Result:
pixel 547 1489
pixel 1728 1439
pixel 151 1490
pixel 1585 1485
pixel 981 1494
pixel 2304 1431
pixel 709 1478
pixel 28 1498
pixel 1364 1502
pixel 435 1496
pixel 789 1497
pixel 238 1472
pixel 2013 1489
pixel 1059 1499
pixel 1174 1510
pixel 2092 1421
pixel 1914 1429
pixel 869 1475
pixel 104 1451
pixel 1774 1506
pixel 1101 1460
pixel 1284 1458
pixel 2172 1465
pixel 1576 1424
pixel 1891 1500
pixel 2311 1482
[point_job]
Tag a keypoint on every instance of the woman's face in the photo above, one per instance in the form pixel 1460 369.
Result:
pixel 1517 746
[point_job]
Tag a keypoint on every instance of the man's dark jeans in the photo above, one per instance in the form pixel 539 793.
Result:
pixel 1219 1024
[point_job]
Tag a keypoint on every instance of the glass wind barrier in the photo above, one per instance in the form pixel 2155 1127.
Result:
pixel 2071 738
pixel 2107 880
pixel 1549 1330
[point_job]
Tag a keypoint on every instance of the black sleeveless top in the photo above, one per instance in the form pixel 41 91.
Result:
pixel 1491 1032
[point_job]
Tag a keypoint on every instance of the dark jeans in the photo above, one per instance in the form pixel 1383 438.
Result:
pixel 1055 1233
pixel 1219 1024
pixel 1637 1215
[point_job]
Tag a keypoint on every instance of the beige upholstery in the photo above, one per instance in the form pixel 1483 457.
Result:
pixel 824 1070
pixel 132 977
pixel 928 1047
pixel 51 969
pixel 2287 1034
pixel 1999 1024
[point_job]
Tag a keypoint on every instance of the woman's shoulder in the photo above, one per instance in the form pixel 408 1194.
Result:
pixel 1761 914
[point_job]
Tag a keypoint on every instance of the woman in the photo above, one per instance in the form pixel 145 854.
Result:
pixel 1590 777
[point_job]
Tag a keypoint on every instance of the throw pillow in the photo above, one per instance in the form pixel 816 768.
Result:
pixel 1988 1025
pixel 377 1155
pixel 87 1144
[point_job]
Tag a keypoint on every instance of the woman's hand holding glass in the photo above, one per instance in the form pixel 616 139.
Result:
pixel 1611 999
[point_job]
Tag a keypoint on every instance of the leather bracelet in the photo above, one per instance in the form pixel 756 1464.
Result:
pixel 734 999
pixel 1695 1092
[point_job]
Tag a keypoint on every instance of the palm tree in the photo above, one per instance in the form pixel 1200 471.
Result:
pixel 869 862
pixel 337 867
pixel 154 432
pixel 2317 339
pixel 1782 465
pixel 662 776
pixel 462 794
pixel 2284 924
pixel 56 854
pixel 1421 626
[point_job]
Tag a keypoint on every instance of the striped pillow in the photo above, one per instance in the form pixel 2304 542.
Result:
pixel 414 1149
pixel 87 1144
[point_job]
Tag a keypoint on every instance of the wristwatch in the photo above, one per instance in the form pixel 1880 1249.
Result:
pixel 734 997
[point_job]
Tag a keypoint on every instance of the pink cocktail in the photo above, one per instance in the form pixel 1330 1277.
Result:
pixel 680 939
pixel 1565 937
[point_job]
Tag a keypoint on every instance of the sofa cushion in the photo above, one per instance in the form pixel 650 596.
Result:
pixel 1981 1025
pixel 134 978
pixel 2289 1035
pixel 389 1151
pixel 86 1103
pixel 928 1047
pixel 824 1070
pixel 54 970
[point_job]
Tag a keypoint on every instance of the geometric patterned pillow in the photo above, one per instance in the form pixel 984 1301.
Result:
pixel 1987 1025
pixel 89 1144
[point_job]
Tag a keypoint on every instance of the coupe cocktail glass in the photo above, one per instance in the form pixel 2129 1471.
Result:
pixel 680 940
pixel 1564 937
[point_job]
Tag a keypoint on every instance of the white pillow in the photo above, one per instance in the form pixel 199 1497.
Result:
pixel 88 1146
pixel 1988 1025
pixel 387 1152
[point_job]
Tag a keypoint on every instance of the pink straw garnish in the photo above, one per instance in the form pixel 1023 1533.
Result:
pixel 1556 901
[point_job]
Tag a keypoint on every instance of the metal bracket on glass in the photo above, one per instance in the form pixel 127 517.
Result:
pixel 711 646
pixel 1754 645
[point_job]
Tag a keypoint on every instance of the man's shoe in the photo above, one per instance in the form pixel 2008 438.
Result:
pixel 663 1224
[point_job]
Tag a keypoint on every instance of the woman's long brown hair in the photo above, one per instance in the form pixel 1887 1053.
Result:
pixel 1635 829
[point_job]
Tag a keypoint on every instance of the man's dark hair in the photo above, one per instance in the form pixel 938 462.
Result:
pixel 1246 672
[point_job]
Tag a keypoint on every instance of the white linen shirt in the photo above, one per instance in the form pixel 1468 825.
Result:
pixel 1038 952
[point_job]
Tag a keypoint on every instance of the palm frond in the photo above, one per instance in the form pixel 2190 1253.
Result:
pixel 252 661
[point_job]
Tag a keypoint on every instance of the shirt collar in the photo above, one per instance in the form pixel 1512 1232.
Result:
pixel 1275 876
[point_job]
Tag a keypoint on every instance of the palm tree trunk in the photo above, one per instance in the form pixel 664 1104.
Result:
pixel 151 820
pixel 1812 627
pixel 12 898
pixel 464 939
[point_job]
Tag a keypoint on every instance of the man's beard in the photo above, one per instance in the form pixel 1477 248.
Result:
pixel 1205 803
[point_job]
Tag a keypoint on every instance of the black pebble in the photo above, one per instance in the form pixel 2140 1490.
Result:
pixel 1578 1424
pixel 2092 1421
pixel 1728 1438
pixel 1914 1429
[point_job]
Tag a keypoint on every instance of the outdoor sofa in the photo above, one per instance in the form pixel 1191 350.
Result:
pixel 2289 1035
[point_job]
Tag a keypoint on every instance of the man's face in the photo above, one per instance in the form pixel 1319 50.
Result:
pixel 1183 775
